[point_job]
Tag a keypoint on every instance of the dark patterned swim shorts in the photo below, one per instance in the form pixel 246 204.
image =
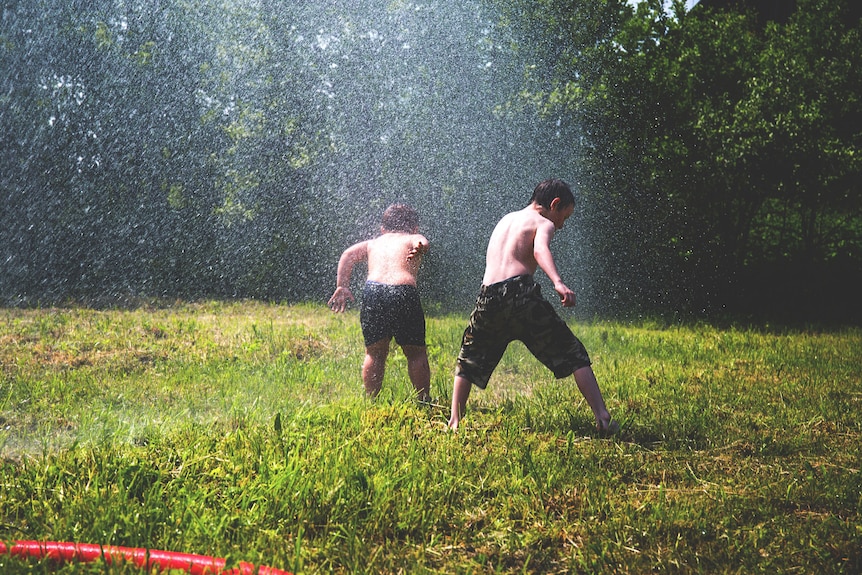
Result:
pixel 389 311
pixel 514 309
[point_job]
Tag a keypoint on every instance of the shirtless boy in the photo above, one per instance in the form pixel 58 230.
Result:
pixel 390 300
pixel 510 305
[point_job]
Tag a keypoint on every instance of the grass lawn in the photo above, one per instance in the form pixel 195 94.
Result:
pixel 240 430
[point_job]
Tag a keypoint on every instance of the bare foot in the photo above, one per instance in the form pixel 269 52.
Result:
pixel 608 429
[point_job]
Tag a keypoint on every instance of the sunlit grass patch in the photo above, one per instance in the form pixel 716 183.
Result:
pixel 247 435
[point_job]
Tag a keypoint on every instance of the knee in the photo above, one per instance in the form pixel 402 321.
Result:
pixel 415 352
pixel 377 352
pixel 376 357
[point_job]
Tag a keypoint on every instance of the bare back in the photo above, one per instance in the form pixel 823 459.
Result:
pixel 394 258
pixel 511 249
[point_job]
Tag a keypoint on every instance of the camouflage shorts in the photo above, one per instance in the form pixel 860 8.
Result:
pixel 510 310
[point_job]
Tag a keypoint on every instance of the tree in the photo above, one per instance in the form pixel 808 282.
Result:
pixel 717 151
pixel 805 102
pixel 129 129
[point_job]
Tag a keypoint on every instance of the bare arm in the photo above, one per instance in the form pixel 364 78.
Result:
pixel 351 256
pixel 542 253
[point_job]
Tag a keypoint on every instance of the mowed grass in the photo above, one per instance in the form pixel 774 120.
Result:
pixel 240 430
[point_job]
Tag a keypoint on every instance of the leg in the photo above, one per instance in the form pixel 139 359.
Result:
pixel 418 370
pixel 460 393
pixel 374 366
pixel 589 387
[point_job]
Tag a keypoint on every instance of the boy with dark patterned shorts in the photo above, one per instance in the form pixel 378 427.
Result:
pixel 390 298
pixel 510 305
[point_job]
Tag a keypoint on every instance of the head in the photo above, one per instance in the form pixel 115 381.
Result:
pixel 556 199
pixel 400 218
pixel 549 190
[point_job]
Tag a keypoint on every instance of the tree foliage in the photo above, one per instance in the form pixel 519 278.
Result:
pixel 125 174
pixel 189 148
pixel 723 155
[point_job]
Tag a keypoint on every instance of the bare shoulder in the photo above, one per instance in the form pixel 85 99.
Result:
pixel 357 250
pixel 507 222
pixel 394 246
pixel 524 221
pixel 544 224
pixel 511 217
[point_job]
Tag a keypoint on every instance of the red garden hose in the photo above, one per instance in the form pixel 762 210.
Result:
pixel 141 558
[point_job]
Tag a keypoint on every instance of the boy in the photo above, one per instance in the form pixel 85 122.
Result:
pixel 510 305
pixel 390 300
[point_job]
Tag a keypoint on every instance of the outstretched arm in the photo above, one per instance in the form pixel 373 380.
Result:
pixel 542 253
pixel 350 257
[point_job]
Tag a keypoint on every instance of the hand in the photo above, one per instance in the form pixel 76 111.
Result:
pixel 338 301
pixel 567 296
pixel 417 250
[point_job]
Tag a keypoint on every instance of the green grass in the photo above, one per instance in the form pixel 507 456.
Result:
pixel 239 430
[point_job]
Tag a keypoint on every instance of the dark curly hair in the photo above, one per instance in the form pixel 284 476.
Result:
pixel 400 218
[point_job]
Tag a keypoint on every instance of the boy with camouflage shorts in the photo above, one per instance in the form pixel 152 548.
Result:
pixel 510 305
pixel 510 310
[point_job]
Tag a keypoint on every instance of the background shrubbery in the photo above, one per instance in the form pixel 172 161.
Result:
pixel 212 149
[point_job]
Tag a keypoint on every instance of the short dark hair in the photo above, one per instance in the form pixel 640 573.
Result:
pixel 547 190
pixel 400 218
